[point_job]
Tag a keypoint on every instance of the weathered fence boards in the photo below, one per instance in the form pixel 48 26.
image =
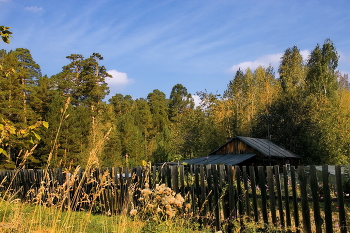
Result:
pixel 302 199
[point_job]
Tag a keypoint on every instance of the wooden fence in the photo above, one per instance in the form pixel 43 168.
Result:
pixel 300 200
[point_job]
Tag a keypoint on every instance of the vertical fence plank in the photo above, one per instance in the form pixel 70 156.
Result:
pixel 315 199
pixel 223 192
pixel 231 198
pixel 161 174
pixel 272 197
pixel 279 195
pixel 138 184
pixel 203 206
pixel 246 191
pixel 295 201
pixel 340 196
pixel 168 176
pixel 191 183
pixel 239 193
pixel 304 200
pixel 126 188
pixel 210 188
pixel 196 188
pixel 175 178
pixel 327 200
pixel 122 188
pixel 182 180
pixel 114 190
pixel 262 187
pixel 286 196
pixel 253 187
pixel 216 197
pixel 153 181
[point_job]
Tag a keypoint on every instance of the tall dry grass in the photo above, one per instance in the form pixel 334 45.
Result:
pixel 54 208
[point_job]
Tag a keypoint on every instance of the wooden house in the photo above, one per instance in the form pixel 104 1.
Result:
pixel 246 151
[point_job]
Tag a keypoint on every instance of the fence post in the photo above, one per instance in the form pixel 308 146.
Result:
pixel 340 195
pixel 304 200
pixel 210 187
pixel 253 187
pixel 327 200
pixel 239 193
pixel 315 199
pixel 295 202
pixel 262 183
pixel 279 194
pixel 246 191
pixel 175 178
pixel 216 197
pixel 272 196
pixel 231 197
pixel 286 196
pixel 203 206
pixel 182 180
pixel 153 181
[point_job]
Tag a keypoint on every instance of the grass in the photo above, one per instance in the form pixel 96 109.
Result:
pixel 22 217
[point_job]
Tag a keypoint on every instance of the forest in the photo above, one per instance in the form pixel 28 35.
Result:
pixel 304 106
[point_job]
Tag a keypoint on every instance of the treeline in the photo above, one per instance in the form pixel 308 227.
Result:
pixel 305 108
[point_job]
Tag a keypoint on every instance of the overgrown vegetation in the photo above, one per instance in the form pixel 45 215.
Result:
pixel 306 108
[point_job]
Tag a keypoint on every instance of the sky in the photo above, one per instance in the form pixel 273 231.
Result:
pixel 153 44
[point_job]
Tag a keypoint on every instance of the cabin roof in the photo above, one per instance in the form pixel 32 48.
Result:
pixel 229 159
pixel 264 146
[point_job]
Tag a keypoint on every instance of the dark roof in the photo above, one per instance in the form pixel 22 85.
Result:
pixel 229 159
pixel 264 146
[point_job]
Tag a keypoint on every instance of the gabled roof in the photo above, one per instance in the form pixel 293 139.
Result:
pixel 229 159
pixel 264 146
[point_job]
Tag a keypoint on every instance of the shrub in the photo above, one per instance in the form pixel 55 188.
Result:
pixel 160 203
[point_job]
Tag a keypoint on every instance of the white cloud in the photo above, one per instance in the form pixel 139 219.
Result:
pixel 265 61
pixel 197 100
pixel 33 8
pixel 305 54
pixel 119 80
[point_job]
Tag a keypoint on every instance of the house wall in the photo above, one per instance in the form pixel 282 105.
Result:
pixel 236 146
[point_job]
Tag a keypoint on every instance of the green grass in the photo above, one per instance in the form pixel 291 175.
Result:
pixel 21 217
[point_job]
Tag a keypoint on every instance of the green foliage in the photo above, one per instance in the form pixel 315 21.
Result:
pixel 321 65
pixel 12 137
pixel 83 80
pixel 5 34
pixel 179 101
pixel 248 95
pixel 291 71
pixel 309 103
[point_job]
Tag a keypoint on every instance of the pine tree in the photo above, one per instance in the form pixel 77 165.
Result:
pixel 83 80
pixel 18 74
pixel 179 101
pixel 159 109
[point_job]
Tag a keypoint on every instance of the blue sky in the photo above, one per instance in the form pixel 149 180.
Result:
pixel 155 44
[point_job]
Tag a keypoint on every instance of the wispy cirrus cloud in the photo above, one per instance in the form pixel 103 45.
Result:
pixel 33 9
